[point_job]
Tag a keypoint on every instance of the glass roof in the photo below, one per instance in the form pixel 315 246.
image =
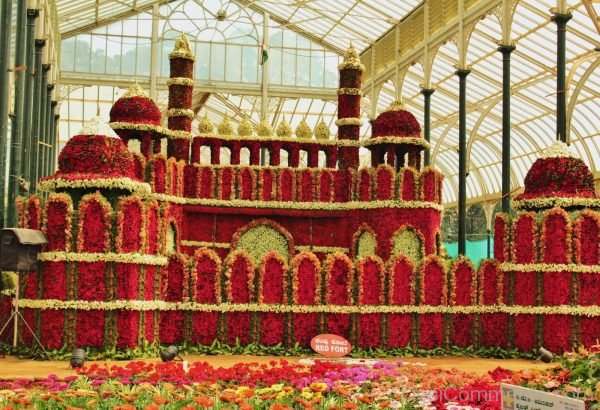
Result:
pixel 110 41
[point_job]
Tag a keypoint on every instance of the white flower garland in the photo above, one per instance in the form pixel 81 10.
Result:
pixel 182 49
pixel 126 184
pixel 322 249
pixel 8 292
pixel 549 267
pixel 180 112
pixel 204 244
pixel 308 206
pixel 349 121
pixel 180 81
pixel 175 134
pixel 555 201
pixel 257 138
pixel 134 258
pixel 148 305
pixel 558 149
pixel 350 91
pixel 397 140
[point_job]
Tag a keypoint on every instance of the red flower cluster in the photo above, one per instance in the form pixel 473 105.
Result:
pixel 95 156
pixel 559 177
pixel 399 123
pixel 136 110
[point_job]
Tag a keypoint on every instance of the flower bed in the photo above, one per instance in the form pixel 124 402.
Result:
pixel 353 384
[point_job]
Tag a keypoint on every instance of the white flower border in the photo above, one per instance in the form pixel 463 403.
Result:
pixel 349 91
pixel 349 121
pixel 134 258
pixel 149 305
pixel 308 206
pixel 549 267
pixel 398 140
pixel 205 244
pixel 180 112
pixel 300 248
pixel 180 81
pixel 555 201
pixel 174 134
pixel 127 184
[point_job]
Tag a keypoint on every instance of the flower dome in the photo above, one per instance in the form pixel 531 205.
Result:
pixel 95 158
pixel 396 122
pixel 135 107
pixel 558 173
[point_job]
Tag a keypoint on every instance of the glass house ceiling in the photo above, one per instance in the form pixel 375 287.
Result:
pixel 327 27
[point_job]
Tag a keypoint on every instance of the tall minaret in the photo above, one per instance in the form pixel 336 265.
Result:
pixel 349 95
pixel 181 88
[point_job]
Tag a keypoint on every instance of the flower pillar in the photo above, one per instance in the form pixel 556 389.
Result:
pixel 181 87
pixel 349 95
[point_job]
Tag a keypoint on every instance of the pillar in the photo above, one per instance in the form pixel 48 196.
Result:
pixel 29 103
pixel 48 126
pixel 462 160
pixel 55 137
pixel 427 92
pixel 561 20
pixel 42 120
pixel 506 50
pixel 5 39
pixel 16 145
pixel 36 113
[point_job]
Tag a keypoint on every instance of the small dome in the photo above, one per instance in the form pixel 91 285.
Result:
pixel 303 130
pixel 264 129
pixel 135 107
pixel 225 127
pixel 284 130
pixel 206 126
pixel 558 173
pixel 396 122
pixel 245 127
pixel 322 131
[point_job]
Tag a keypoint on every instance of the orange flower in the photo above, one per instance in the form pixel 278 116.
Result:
pixel 152 407
pixel 349 406
pixel 124 407
pixel 244 405
pixel 278 406
pixel 229 397
pixel 384 404
pixel 247 393
pixel 188 407
pixel 160 400
pixel 204 401
pixel 365 399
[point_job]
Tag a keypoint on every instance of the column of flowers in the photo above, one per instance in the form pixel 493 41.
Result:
pixel 239 288
pixel 492 286
pixel 463 292
pixel 273 288
pixel 339 285
pixel 208 290
pixel 402 281
pixel 31 290
pixel 370 272
pixel 306 291
pixel 433 291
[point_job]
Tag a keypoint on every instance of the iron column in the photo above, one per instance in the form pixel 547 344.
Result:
pixel 49 120
pixel 506 50
pixel 427 121
pixel 32 15
pixel 5 37
pixel 561 20
pixel 15 172
pixel 35 130
pixel 42 121
pixel 462 160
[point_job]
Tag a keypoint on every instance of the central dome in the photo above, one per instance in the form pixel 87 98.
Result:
pixel 558 173
pixel 135 107
pixel 396 122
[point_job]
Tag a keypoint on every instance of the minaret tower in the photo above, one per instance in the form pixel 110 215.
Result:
pixel 349 95
pixel 181 88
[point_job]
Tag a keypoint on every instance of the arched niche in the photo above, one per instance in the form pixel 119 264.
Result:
pixel 262 236
pixel 408 241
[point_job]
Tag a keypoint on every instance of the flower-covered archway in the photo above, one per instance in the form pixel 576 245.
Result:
pixel 407 240
pixel 262 236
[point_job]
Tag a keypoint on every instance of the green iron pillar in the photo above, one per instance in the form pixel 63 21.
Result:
pixel 35 129
pixel 427 121
pixel 32 15
pixel 506 51
pixel 42 122
pixel 48 128
pixel 55 139
pixel 561 20
pixel 52 133
pixel 15 173
pixel 462 160
pixel 5 39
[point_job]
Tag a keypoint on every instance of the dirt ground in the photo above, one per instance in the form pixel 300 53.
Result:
pixel 12 367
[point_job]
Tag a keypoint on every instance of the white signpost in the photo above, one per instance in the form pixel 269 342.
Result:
pixel 522 398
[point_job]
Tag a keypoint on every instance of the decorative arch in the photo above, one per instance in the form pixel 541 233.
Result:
pixel 364 242
pixel 262 236
pixel 409 241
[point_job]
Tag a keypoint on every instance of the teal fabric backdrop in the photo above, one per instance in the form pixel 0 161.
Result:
pixel 475 250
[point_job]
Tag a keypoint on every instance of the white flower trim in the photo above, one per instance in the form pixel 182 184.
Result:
pixel 134 258
pixel 149 305
pixel 322 249
pixel 182 54
pixel 180 112
pixel 173 134
pixel 97 126
pixel 182 49
pixel 349 121
pixel 135 90
pixel 549 267
pixel 8 292
pixel 558 149
pixel 418 141
pixel 257 138
pixel 350 91
pixel 353 64
pixel 555 201
pixel 308 206
pixel 127 184
pixel 180 81
pixel 203 244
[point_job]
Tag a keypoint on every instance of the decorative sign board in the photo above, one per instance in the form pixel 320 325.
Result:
pixel 329 345
pixel 522 398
